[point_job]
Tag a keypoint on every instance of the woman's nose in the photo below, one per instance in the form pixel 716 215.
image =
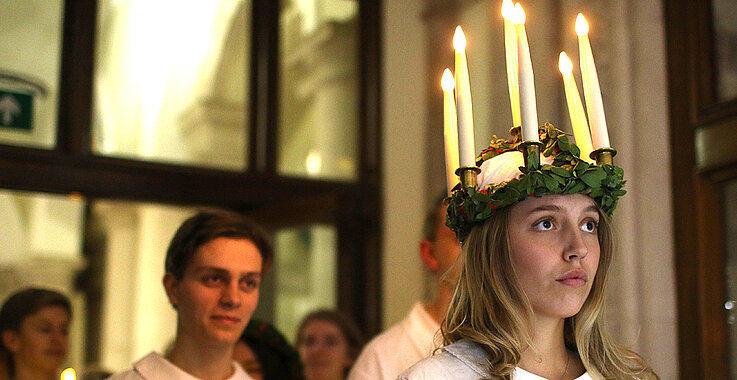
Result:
pixel 575 245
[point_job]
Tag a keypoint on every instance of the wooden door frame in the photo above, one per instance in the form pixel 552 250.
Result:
pixel 697 181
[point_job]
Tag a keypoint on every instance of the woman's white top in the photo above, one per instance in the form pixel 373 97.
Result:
pixel 463 360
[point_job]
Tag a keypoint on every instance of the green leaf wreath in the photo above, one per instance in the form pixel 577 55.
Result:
pixel 568 174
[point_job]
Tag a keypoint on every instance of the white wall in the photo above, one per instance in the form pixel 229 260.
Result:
pixel 404 110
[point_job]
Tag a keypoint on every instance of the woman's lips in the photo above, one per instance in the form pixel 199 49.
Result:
pixel 575 277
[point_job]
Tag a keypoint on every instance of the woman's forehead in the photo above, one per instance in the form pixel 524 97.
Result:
pixel 553 202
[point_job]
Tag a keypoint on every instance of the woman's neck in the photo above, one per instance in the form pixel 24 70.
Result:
pixel 549 358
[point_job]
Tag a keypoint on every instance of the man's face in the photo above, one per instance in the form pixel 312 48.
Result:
pixel 218 291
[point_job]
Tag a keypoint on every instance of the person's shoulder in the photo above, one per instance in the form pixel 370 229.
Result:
pixel 239 373
pixel 127 375
pixel 372 361
pixel 440 366
pixel 383 355
pixel 460 360
pixel 144 368
pixel 391 335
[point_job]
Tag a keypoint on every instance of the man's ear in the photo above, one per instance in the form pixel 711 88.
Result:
pixel 10 340
pixel 170 285
pixel 428 255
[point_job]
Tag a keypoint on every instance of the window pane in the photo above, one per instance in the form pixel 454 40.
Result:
pixel 305 276
pixel 725 46
pixel 30 56
pixel 171 81
pixel 318 119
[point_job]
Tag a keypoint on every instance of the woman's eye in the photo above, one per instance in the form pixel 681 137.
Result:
pixel 544 225
pixel 589 226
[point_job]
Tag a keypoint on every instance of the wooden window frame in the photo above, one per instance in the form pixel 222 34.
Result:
pixel 353 207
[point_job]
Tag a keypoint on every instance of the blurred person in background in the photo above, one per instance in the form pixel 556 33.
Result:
pixel 413 339
pixel 328 343
pixel 34 324
pixel 265 354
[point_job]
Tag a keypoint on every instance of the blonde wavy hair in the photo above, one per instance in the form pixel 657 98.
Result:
pixel 490 308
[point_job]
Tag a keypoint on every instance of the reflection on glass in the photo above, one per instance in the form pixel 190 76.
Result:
pixel 305 271
pixel 725 47
pixel 318 120
pixel 730 232
pixel 30 60
pixel 41 240
pixel 171 81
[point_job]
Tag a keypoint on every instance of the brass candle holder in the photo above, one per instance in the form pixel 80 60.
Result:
pixel 516 131
pixel 531 149
pixel 468 176
pixel 604 156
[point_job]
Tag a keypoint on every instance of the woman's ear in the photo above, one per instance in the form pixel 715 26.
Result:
pixel 10 340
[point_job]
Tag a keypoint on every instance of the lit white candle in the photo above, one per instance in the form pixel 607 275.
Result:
pixel 463 102
pixel 575 108
pixel 510 48
pixel 450 132
pixel 592 93
pixel 526 81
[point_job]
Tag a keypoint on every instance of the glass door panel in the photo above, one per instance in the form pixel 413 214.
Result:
pixel 319 89
pixel 171 81
pixel 304 275
pixel 725 48
pixel 30 62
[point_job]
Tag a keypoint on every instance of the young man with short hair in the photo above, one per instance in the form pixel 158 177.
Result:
pixel 213 273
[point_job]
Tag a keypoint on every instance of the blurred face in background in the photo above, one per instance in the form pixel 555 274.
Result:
pixel 42 342
pixel 446 246
pixel 324 351
pixel 245 356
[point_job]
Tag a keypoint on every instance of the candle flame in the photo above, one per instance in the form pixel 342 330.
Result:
pixel 508 10
pixel 519 14
pixel 447 83
pixel 564 64
pixel 68 374
pixel 582 27
pixel 459 39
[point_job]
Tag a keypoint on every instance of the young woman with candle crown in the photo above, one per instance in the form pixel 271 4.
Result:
pixel 537 249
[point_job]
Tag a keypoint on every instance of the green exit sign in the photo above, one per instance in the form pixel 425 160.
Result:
pixel 16 110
